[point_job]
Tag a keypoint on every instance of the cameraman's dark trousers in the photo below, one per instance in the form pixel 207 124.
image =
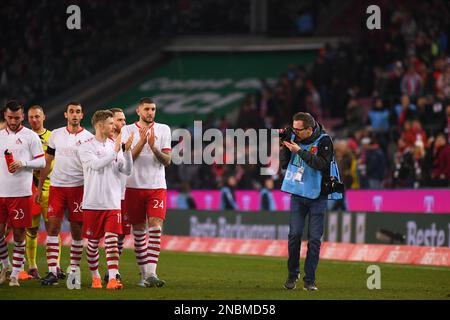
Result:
pixel 300 208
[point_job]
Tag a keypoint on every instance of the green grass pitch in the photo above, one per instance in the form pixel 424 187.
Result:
pixel 192 276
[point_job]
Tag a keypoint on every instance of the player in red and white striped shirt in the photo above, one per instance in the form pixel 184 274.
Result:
pixel 17 179
pixel 145 195
pixel 66 189
pixel 104 162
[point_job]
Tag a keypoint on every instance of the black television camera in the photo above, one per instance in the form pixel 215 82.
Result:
pixel 285 134
pixel 333 185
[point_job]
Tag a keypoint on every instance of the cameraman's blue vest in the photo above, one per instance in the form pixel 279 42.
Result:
pixel 310 184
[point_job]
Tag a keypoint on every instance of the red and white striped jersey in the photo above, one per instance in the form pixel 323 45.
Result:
pixel 25 145
pixel 148 172
pixel 67 170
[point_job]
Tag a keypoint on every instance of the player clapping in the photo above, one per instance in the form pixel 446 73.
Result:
pixel 104 162
pixel 145 195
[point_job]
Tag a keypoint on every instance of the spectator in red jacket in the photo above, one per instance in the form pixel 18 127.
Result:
pixel 412 132
pixel 441 162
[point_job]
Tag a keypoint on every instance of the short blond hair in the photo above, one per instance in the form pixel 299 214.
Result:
pixel 101 115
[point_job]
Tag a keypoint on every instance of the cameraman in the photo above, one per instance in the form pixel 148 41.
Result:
pixel 309 154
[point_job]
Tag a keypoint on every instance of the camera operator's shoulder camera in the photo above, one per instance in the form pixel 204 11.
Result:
pixel 286 133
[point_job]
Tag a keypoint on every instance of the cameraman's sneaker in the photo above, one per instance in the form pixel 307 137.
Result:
pixel 291 283
pixel 310 286
pixel 154 281
pixel 73 279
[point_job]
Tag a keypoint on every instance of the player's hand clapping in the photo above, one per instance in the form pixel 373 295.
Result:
pixel 129 142
pixel 151 139
pixel 143 135
pixel 118 144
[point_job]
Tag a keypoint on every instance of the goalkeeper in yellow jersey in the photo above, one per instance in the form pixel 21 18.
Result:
pixel 36 119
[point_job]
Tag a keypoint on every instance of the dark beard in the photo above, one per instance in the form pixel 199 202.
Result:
pixel 15 128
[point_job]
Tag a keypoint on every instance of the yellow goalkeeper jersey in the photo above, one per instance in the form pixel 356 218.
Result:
pixel 44 136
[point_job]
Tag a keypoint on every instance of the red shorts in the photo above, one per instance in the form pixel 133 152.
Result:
pixel 126 225
pixel 97 222
pixel 16 212
pixel 35 207
pixel 61 198
pixel 143 203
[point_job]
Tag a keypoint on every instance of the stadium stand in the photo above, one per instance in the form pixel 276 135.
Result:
pixel 48 59
pixel 385 96
pixel 391 102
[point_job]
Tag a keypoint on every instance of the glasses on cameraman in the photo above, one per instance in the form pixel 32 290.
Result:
pixel 298 130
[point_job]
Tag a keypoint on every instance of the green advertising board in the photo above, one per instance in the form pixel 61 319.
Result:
pixel 191 86
pixel 416 229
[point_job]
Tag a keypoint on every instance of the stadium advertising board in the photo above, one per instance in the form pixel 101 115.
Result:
pixel 412 201
pixel 246 200
pixel 346 227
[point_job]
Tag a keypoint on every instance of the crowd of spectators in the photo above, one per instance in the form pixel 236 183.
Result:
pixel 385 99
pixel 40 57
